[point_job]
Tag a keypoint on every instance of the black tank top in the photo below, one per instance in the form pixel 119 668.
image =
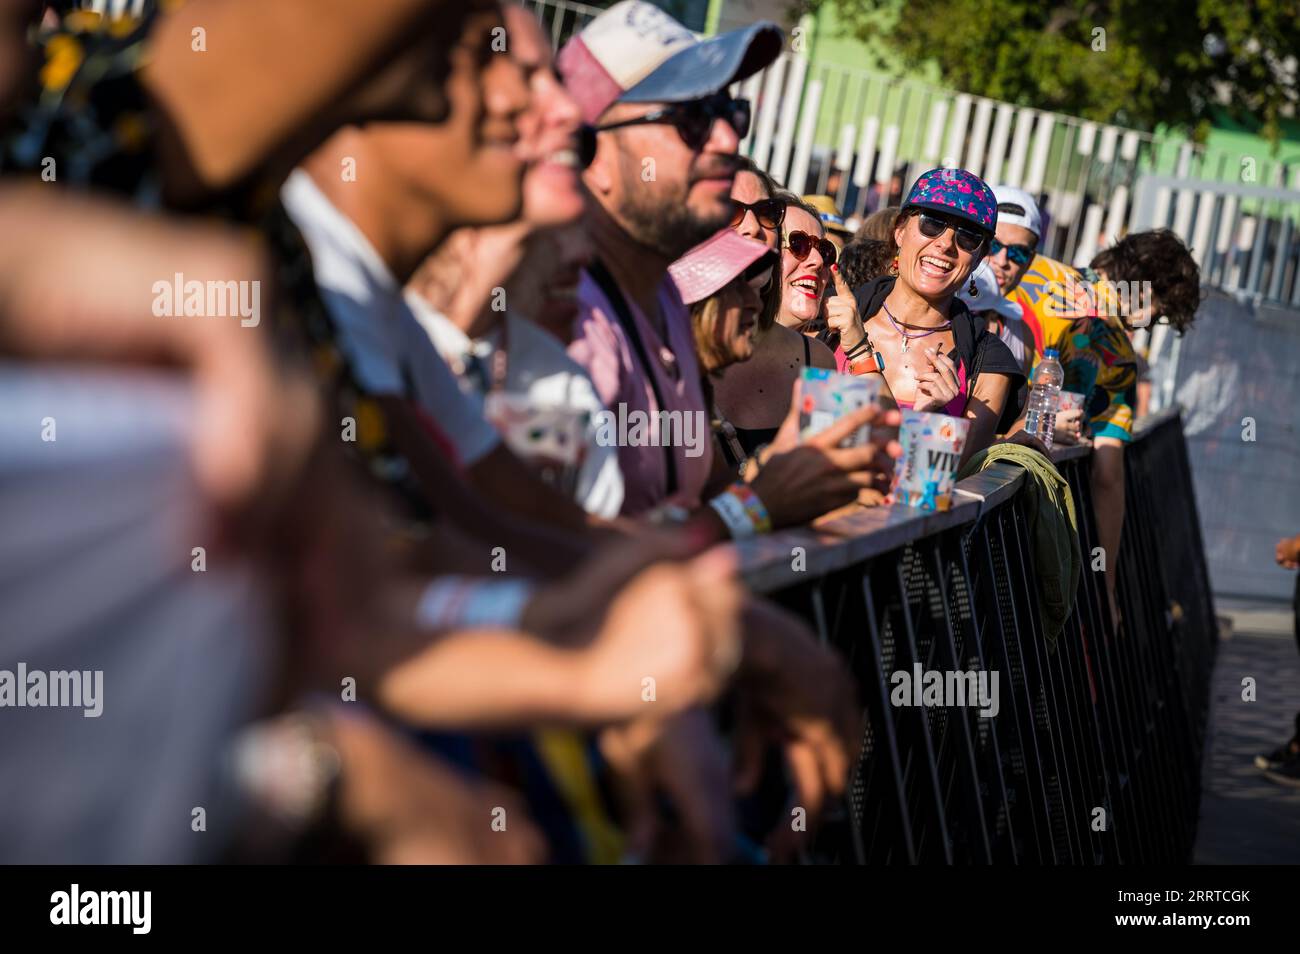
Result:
pixel 752 438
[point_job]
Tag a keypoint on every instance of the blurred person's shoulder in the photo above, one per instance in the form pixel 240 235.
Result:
pixel 342 257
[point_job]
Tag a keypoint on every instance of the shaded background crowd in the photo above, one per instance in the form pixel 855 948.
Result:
pixel 382 392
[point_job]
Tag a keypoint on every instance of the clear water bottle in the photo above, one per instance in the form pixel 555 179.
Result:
pixel 1045 397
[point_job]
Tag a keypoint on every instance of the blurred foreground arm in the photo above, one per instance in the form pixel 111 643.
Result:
pixel 107 314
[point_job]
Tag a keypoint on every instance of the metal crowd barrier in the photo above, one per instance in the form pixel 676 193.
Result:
pixel 1094 755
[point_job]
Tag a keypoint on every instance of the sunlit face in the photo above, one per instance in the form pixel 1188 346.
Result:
pixel 934 268
pixel 748 188
pixel 802 282
pixel 724 325
pixel 1007 272
pixel 738 307
pixel 666 194
pixel 469 166
pixel 547 129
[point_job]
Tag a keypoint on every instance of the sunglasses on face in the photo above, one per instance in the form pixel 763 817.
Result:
pixel 801 245
pixel 586 145
pixel 769 212
pixel 931 226
pixel 694 120
pixel 1017 254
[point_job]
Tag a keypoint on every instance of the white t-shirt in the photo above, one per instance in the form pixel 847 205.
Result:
pixel 540 368
pixel 387 349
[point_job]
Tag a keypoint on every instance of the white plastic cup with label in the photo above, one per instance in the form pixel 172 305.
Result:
pixel 932 449
pixel 1072 401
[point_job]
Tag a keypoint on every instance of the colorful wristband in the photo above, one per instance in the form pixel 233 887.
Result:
pixel 742 511
pixel 877 363
pixel 460 602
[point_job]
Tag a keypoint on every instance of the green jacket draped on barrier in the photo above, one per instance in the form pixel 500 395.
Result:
pixel 1053 530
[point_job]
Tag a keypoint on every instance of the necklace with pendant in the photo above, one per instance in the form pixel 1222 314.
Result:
pixel 907 339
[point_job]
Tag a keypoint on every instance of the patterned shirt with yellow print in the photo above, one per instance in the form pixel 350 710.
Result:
pixel 1072 311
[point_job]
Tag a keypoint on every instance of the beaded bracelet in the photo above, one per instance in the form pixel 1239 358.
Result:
pixel 742 511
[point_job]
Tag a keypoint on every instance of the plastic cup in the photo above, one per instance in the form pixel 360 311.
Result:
pixel 932 448
pixel 825 396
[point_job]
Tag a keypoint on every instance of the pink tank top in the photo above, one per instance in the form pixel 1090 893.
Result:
pixel 956 407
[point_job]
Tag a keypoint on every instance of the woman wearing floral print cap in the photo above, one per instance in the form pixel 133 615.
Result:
pixel 914 329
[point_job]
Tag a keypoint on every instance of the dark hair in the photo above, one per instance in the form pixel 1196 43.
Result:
pixel 746 164
pixel 879 225
pixel 865 259
pixel 1157 256
pixel 790 200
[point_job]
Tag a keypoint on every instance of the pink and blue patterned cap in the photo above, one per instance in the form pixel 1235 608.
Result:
pixel 956 192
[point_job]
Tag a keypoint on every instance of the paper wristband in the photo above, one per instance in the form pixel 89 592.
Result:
pixel 460 602
pixel 742 511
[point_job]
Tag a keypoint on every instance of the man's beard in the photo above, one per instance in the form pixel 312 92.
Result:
pixel 670 227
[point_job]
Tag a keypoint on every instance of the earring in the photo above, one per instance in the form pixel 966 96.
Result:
pixel 974 292
pixel 893 268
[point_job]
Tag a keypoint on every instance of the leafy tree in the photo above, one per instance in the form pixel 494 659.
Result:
pixel 1131 62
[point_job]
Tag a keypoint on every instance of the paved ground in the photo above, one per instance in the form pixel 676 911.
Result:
pixel 1245 818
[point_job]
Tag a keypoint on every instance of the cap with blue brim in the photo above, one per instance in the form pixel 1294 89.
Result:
pixel 636 53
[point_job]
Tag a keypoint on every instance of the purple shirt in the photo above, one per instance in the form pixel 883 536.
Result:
pixel 634 418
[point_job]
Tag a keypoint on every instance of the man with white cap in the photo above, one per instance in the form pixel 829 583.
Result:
pixel 660 183
pixel 666 155
pixel 1020 226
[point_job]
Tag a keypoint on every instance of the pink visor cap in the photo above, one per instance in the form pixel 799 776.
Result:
pixel 713 264
pixel 636 53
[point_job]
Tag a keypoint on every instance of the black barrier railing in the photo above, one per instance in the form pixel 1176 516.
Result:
pixel 1093 754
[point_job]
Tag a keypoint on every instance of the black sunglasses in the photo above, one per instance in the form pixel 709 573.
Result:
pixel 931 226
pixel 1018 254
pixel 801 245
pixel 586 145
pixel 769 212
pixel 694 120
pixel 759 274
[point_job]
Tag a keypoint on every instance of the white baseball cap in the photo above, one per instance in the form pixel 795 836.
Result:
pixel 1017 207
pixel 635 53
